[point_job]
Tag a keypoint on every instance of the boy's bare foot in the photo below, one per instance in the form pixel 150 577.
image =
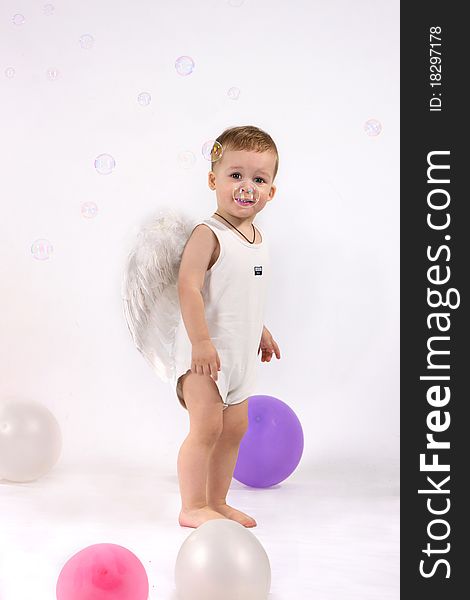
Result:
pixel 198 516
pixel 236 515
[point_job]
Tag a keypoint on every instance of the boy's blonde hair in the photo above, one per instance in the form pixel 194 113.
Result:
pixel 246 137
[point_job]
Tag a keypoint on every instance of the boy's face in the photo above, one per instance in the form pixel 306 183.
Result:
pixel 236 166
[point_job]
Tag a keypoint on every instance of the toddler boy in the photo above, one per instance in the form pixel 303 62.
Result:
pixel 222 288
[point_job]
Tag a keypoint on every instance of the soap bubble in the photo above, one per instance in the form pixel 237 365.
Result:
pixel 245 192
pixel 372 127
pixel 186 159
pixel 48 9
pixel 18 19
pixel 89 210
pixel 86 41
pixel 144 99
pixel 10 72
pixel 233 93
pixel 212 150
pixel 52 74
pixel 184 65
pixel 41 249
pixel 104 164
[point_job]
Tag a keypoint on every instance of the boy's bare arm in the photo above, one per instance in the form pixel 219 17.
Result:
pixel 194 262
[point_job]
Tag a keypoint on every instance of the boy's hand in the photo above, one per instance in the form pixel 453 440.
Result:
pixel 268 346
pixel 204 359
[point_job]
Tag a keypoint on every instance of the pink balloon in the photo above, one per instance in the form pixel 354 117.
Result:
pixel 103 572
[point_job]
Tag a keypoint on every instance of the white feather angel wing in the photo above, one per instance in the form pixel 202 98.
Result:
pixel 149 289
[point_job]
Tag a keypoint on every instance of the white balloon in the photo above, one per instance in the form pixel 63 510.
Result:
pixel 30 440
pixel 221 559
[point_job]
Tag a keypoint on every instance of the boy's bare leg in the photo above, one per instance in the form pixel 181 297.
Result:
pixel 223 460
pixel 205 413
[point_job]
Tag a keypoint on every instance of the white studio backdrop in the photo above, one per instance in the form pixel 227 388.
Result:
pixel 311 74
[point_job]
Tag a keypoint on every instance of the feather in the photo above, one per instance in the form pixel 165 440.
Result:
pixel 149 289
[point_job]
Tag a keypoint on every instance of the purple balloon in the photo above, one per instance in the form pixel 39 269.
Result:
pixel 272 447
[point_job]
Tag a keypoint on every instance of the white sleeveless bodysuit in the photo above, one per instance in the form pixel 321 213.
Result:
pixel 234 294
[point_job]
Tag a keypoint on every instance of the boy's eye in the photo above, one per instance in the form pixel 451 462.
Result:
pixel 259 178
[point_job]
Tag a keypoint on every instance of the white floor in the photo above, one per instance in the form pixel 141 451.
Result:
pixel 328 535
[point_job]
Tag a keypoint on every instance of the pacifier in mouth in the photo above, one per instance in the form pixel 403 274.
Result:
pixel 245 194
